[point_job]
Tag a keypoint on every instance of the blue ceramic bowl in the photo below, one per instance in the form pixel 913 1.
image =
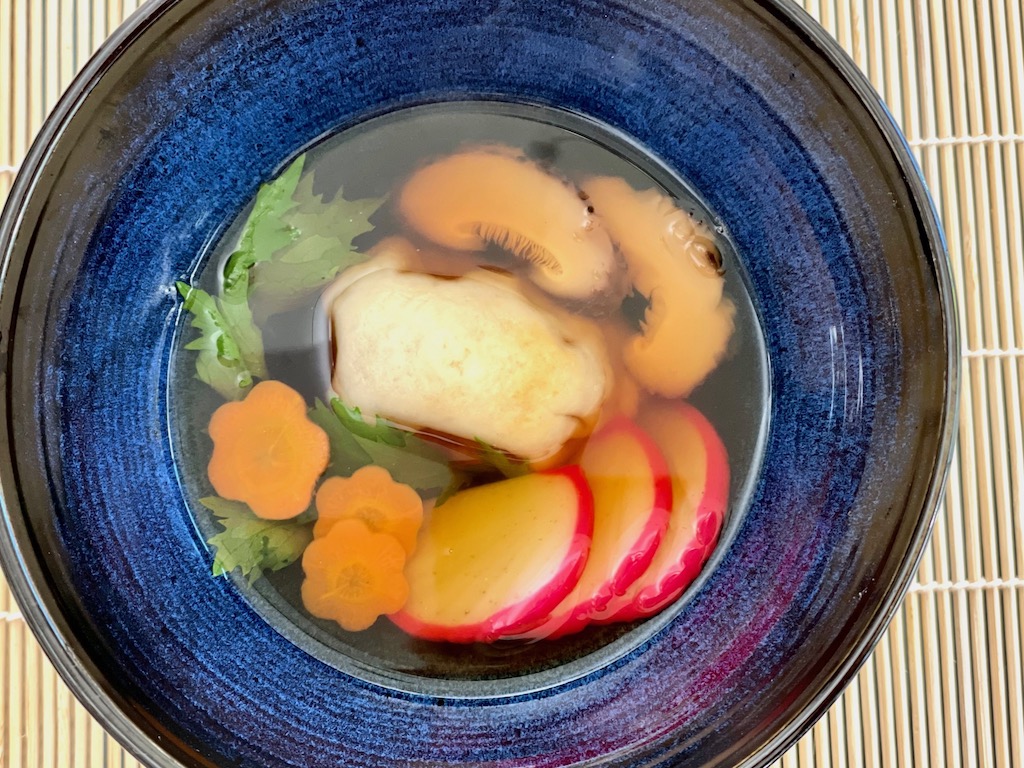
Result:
pixel 165 137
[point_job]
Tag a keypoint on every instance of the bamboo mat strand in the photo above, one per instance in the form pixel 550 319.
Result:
pixel 945 686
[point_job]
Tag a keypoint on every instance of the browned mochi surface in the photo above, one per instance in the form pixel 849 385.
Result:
pixel 470 356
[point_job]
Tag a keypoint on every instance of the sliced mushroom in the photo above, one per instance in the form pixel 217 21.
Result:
pixel 488 196
pixel 469 357
pixel 673 261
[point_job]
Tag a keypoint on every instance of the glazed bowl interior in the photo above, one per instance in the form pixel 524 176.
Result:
pixel 165 138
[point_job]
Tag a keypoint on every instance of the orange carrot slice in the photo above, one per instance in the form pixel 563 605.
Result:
pixel 371 496
pixel 474 198
pixel 354 575
pixel 266 451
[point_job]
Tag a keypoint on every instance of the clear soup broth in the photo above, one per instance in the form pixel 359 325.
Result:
pixel 469 393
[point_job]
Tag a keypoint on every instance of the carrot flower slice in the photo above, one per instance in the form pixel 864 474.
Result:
pixel 354 575
pixel 266 451
pixel 371 496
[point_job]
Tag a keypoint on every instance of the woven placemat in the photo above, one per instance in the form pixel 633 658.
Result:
pixel 944 687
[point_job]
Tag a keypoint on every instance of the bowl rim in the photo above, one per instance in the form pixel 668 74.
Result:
pixel 77 671
pixel 73 668
pixel 928 217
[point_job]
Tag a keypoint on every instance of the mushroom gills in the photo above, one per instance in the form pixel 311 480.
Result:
pixel 480 197
pixel 519 245
pixel 471 357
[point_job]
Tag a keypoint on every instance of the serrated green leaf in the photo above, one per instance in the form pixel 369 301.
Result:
pixel 414 462
pixel 459 481
pixel 346 454
pixel 426 475
pixel 316 262
pixel 251 544
pixel 501 461
pixel 220 362
pixel 322 243
pixel 266 231
pixel 245 333
pixel 379 431
pixel 230 348
pixel 340 219
pixel 308 251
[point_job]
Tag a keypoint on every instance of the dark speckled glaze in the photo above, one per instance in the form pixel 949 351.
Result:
pixel 168 133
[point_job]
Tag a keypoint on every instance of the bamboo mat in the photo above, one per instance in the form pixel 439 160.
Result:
pixel 945 686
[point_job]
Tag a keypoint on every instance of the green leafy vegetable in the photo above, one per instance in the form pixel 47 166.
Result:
pixel 265 232
pixel 459 481
pixel 231 345
pixel 292 241
pixel 322 245
pixel 379 432
pixel 384 434
pixel 251 544
pixel 425 475
pixel 221 363
pixel 354 444
pixel 247 335
pixel 346 453
pixel 501 461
